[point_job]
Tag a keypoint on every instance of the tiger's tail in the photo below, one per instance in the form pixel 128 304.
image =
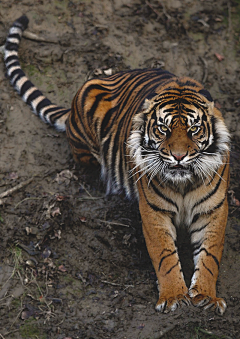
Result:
pixel 50 113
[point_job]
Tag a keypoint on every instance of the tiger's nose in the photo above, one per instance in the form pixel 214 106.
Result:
pixel 178 156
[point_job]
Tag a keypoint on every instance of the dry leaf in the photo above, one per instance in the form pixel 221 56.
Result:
pixel 62 268
pixel 219 56
pixel 56 211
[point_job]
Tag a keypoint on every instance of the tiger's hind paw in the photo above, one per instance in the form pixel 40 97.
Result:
pixel 201 300
pixel 166 305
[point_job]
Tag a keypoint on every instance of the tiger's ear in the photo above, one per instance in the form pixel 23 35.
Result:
pixel 146 104
pixel 208 96
pixel 211 107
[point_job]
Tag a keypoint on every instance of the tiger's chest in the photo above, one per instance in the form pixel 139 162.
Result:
pixel 184 214
pixel 184 205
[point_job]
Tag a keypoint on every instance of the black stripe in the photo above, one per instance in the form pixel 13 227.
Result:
pixel 93 87
pixel 210 194
pixel 105 147
pixel 217 206
pixel 55 116
pixel 98 99
pixel 199 229
pixel 156 208
pixel 13 64
pixel 51 109
pixel 21 22
pixel 73 131
pixel 116 144
pixel 14 35
pixel 166 256
pixel 43 103
pixel 207 269
pixel 108 115
pixel 197 245
pixel 34 95
pixel 10 58
pixel 19 72
pixel 208 254
pixel 156 190
pixel 196 216
pixel 11 46
pixel 72 137
pixel 25 87
pixel 172 267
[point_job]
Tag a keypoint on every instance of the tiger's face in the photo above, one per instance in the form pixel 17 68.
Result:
pixel 179 136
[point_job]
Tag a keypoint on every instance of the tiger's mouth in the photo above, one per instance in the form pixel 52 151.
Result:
pixel 179 170
pixel 179 167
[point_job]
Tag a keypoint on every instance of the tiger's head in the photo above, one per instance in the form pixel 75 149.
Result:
pixel 179 135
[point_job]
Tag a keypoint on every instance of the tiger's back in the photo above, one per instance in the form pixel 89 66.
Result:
pixel 160 139
pixel 101 118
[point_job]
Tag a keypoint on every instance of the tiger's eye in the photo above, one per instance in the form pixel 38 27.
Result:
pixel 163 128
pixel 193 128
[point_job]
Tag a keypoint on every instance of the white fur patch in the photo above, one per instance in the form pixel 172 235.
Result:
pixel 13 40
pixel 15 30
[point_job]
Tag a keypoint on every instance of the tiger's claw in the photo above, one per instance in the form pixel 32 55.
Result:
pixel 166 305
pixel 206 302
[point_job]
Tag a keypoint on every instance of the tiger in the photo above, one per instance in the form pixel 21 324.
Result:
pixel 159 139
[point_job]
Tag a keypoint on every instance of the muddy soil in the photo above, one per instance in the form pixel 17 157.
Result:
pixel 73 261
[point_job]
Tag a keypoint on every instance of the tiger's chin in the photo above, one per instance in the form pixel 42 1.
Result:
pixel 179 175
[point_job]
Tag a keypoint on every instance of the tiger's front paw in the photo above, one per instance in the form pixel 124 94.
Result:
pixel 166 305
pixel 207 302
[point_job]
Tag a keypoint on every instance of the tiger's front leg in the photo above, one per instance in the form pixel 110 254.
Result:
pixel 207 236
pixel 160 237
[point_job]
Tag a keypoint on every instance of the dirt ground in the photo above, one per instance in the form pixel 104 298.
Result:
pixel 73 262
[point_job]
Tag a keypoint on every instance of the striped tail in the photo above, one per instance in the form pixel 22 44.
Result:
pixel 51 114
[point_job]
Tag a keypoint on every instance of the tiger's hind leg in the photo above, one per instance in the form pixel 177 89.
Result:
pixel 207 236
pixel 80 148
pixel 84 156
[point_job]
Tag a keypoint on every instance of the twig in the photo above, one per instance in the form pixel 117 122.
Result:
pixel 91 198
pixel 112 223
pixel 15 188
pixel 6 296
pixel 203 23
pixel 18 315
pixel 115 284
pixel 165 12
pixel 32 36
pixel 153 9
pixel 10 332
pixel 205 69
pixel 88 193
pixel 210 333
pixel 25 200
pixel 159 14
